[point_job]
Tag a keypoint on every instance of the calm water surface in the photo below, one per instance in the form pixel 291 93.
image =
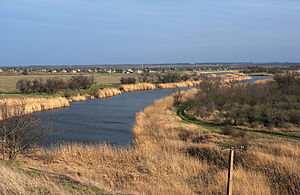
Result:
pixel 109 119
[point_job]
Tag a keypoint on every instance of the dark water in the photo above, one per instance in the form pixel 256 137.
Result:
pixel 254 78
pixel 109 119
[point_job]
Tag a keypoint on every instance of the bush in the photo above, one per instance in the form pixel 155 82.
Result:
pixel 170 78
pixel 24 85
pixel 18 130
pixel 81 82
pixel 270 104
pixel 54 85
pixel 128 80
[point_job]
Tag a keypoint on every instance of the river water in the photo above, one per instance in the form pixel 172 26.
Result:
pixel 109 119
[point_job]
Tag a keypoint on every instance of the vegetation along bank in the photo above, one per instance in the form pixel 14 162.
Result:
pixel 168 156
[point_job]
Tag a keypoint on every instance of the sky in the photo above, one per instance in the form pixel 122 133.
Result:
pixel 68 32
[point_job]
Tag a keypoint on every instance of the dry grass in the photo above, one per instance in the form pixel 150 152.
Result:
pixel 34 104
pixel 234 77
pixel 264 81
pixel 108 92
pixel 78 98
pixel 137 87
pixel 26 180
pixel 11 181
pixel 179 85
pixel 89 96
pixel 169 157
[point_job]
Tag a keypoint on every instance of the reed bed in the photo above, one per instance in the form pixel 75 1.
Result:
pixel 234 77
pixel 179 85
pixel 31 104
pixel 137 87
pixel 168 157
pixel 78 98
pixel 264 81
pixel 89 97
pixel 108 92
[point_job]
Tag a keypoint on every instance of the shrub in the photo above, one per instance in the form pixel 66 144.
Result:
pixel 128 80
pixel 18 130
pixel 81 82
pixel 24 85
pixel 270 104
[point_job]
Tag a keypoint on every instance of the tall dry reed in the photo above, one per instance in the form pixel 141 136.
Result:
pixel 32 105
pixel 138 86
pixel 264 81
pixel 108 92
pixel 78 98
pixel 179 85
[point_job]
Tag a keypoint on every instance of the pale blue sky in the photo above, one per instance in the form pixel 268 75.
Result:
pixel 148 31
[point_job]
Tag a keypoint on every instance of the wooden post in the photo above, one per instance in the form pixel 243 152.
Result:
pixel 229 190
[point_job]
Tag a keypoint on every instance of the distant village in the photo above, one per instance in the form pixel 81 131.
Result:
pixel 129 69
pixel 157 68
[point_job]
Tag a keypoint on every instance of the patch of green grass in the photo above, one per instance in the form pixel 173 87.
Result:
pixel 180 72
pixel 44 95
pixel 74 186
pixel 229 144
pixel 110 85
pixel 180 110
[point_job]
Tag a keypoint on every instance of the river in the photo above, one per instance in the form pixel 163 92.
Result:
pixel 109 119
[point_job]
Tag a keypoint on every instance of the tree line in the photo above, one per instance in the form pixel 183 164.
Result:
pixel 54 85
pixel 271 104
pixel 160 78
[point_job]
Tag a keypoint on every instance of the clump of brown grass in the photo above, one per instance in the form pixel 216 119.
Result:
pixel 264 81
pixel 138 86
pixel 89 97
pixel 234 77
pixel 108 92
pixel 78 98
pixel 179 85
pixel 33 104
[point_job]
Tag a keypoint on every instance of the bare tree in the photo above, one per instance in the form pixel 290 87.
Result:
pixel 18 130
pixel 178 98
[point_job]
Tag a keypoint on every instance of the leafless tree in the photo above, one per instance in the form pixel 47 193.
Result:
pixel 177 98
pixel 18 130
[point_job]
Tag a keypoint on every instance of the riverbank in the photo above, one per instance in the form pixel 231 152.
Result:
pixel 36 104
pixel 171 157
pixel 30 105
pixel 109 92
